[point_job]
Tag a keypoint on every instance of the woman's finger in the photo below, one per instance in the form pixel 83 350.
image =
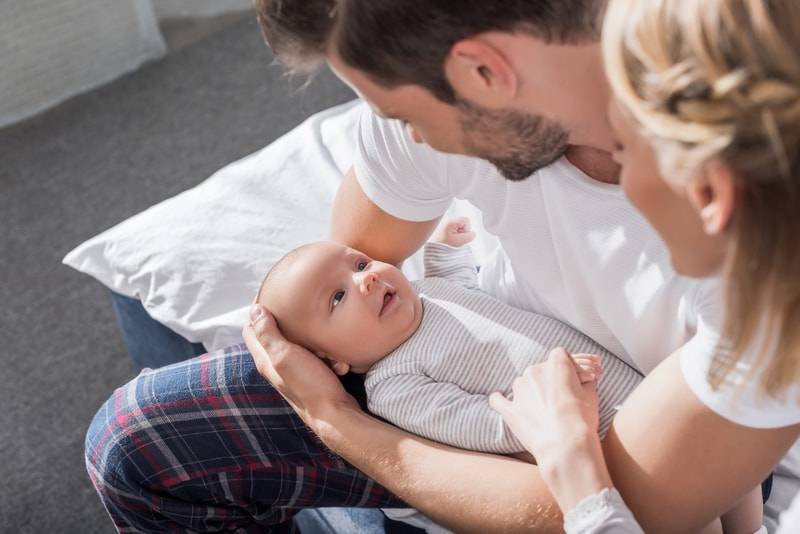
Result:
pixel 586 376
pixel 561 366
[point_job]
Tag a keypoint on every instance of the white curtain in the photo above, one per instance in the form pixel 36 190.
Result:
pixel 51 50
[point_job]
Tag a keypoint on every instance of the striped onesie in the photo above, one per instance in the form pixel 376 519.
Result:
pixel 469 345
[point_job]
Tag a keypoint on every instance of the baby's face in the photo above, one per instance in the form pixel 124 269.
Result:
pixel 343 305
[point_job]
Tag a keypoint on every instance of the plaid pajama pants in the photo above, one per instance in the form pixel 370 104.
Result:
pixel 208 445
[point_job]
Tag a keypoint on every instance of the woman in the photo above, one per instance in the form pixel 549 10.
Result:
pixel 707 114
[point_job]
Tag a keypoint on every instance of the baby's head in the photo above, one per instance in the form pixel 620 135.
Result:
pixel 340 304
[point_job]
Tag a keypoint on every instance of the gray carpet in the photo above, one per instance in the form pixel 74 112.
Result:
pixel 71 173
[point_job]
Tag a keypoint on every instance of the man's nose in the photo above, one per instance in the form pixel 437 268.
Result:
pixel 366 281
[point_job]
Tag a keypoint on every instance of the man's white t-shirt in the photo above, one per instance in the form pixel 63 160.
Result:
pixel 574 249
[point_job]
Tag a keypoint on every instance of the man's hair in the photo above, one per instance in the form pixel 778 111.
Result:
pixel 396 42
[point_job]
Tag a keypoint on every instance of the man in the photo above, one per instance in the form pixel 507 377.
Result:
pixel 519 84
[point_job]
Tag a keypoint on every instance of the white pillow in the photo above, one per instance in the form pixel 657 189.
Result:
pixel 197 259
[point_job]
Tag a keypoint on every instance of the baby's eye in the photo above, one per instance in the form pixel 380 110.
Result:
pixel 337 298
pixel 362 265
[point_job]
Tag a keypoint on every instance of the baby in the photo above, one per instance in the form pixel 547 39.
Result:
pixel 432 350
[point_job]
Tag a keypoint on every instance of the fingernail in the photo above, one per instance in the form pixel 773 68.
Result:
pixel 256 312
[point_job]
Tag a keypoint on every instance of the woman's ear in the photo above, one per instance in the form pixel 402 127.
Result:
pixel 340 368
pixel 713 192
pixel 480 73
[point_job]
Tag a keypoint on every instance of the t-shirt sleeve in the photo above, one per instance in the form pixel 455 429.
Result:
pixel 407 180
pixel 739 398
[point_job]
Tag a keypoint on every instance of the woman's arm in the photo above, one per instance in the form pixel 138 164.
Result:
pixel 676 463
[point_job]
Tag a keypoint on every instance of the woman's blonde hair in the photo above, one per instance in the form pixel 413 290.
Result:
pixel 719 80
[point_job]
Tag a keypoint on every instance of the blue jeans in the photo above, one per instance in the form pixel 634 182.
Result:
pixel 151 344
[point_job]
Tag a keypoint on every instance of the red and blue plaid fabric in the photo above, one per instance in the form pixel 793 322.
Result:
pixel 209 445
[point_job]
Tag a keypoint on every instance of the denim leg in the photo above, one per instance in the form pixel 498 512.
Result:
pixel 208 445
pixel 149 343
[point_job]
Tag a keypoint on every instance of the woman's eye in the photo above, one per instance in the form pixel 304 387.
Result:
pixel 618 154
pixel 337 298
pixel 362 265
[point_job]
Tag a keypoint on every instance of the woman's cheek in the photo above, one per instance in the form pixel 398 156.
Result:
pixel 631 186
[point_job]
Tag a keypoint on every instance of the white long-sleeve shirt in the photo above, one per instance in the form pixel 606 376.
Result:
pixel 606 513
pixel 601 513
pixel 469 345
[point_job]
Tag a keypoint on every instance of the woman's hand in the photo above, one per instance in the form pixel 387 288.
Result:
pixel 554 413
pixel 554 402
pixel 302 378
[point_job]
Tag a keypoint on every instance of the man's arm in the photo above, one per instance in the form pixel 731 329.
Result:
pixel 357 222
pixel 678 464
pixel 465 491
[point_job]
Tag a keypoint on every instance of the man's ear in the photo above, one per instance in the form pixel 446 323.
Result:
pixel 340 368
pixel 480 73
pixel 713 193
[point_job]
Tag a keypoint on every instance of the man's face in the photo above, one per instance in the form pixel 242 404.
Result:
pixel 516 142
pixel 341 304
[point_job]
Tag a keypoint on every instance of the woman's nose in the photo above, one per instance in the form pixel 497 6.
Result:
pixel 415 136
pixel 366 281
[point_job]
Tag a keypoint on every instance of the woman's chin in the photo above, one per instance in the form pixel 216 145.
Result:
pixel 694 267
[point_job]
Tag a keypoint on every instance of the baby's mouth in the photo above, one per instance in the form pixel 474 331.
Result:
pixel 388 297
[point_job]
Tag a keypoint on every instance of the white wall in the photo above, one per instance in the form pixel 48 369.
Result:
pixel 198 8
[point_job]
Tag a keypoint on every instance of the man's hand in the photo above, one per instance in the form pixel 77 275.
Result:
pixel 454 232
pixel 303 379
pixel 509 496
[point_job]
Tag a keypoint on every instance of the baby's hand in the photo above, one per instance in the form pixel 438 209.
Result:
pixel 455 232
pixel 589 367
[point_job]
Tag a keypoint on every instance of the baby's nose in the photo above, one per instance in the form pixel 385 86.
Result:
pixel 366 281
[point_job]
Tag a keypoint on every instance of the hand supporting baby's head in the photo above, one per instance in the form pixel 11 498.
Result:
pixel 341 304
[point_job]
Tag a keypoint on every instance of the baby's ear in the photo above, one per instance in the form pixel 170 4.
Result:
pixel 340 368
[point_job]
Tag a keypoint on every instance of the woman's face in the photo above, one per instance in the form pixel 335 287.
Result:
pixel 667 207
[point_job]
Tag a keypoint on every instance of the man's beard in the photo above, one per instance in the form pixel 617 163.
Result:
pixel 517 143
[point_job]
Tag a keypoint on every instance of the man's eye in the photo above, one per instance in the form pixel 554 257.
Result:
pixel 362 265
pixel 337 298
